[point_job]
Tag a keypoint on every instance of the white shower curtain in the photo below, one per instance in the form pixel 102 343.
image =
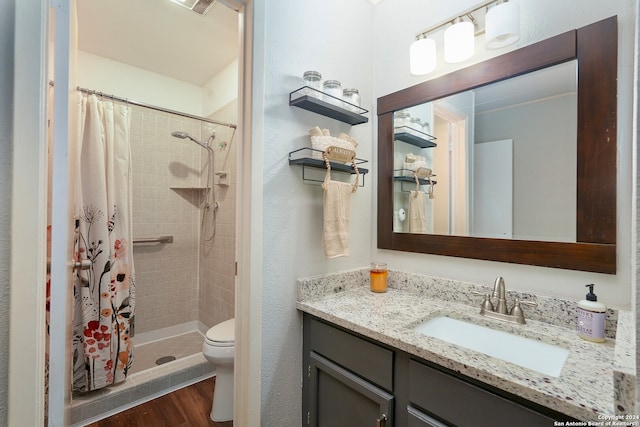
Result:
pixel 104 293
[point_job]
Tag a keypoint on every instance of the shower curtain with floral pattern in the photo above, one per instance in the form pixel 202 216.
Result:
pixel 104 293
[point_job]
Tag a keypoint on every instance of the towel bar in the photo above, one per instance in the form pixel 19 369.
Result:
pixel 307 161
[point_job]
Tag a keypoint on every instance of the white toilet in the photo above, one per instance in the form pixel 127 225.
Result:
pixel 219 349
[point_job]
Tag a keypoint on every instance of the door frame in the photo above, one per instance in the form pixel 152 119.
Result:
pixel 28 204
pixel 28 215
pixel 248 294
pixel 458 141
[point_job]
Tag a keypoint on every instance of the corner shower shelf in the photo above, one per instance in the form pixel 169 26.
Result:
pixel 316 101
pixel 303 157
pixel 414 137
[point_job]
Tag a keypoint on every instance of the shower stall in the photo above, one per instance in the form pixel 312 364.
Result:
pixel 184 203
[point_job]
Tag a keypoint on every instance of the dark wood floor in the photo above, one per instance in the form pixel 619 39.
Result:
pixel 187 407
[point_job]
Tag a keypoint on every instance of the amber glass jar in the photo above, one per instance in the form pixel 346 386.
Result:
pixel 378 277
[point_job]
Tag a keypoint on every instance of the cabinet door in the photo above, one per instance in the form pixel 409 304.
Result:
pixel 340 398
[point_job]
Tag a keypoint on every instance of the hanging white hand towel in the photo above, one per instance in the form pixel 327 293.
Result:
pixel 417 212
pixel 336 213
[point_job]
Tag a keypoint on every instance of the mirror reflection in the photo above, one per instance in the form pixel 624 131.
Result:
pixel 497 161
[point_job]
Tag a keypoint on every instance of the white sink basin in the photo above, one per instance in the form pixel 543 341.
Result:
pixel 541 357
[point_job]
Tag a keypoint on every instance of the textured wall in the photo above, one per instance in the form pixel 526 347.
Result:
pixel 335 38
pixel 6 136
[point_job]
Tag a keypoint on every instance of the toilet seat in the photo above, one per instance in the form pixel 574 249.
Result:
pixel 222 334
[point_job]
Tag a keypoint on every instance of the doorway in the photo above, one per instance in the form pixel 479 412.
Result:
pixel 184 80
pixel 452 126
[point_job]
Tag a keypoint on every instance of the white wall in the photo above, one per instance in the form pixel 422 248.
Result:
pixel 221 89
pixel 544 165
pixel 6 137
pixel 333 37
pixel 396 24
pixel 116 78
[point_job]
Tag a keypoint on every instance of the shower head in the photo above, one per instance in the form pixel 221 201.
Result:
pixel 185 135
pixel 179 134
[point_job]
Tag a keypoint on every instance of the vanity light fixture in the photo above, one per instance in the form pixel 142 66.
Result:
pixel 423 55
pixel 459 41
pixel 500 23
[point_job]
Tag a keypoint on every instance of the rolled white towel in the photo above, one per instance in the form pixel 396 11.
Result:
pixel 315 131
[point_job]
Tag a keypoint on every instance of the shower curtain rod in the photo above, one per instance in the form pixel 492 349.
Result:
pixel 153 107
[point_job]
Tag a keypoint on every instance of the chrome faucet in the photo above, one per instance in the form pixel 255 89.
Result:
pixel 499 310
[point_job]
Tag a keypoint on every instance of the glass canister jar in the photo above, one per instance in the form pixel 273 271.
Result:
pixel 333 88
pixel 416 125
pixel 426 128
pixel 401 118
pixel 352 96
pixel 313 79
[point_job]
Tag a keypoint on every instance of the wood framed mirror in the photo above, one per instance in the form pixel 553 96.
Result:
pixel 595 48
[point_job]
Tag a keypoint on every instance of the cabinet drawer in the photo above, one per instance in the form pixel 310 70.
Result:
pixel 370 361
pixel 463 404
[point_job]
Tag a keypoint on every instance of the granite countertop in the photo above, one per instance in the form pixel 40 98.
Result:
pixel 596 380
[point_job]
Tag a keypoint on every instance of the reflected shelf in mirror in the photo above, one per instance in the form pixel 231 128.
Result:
pixel 414 137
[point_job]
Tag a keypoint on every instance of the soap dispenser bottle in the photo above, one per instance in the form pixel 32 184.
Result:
pixel 591 317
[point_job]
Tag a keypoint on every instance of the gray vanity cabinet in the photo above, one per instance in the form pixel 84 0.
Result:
pixel 349 380
pixel 461 403
pixel 343 399
pixel 420 419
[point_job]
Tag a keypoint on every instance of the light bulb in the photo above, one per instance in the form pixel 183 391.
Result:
pixel 459 43
pixel 422 56
pixel 502 26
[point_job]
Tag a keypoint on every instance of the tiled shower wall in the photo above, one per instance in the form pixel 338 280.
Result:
pixel 217 256
pixel 166 199
pixel 168 177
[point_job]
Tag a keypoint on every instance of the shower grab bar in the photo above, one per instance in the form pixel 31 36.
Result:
pixel 161 239
pixel 85 264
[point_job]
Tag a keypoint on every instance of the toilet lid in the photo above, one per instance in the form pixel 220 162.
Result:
pixel 222 332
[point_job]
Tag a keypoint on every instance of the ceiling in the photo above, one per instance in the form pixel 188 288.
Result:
pixel 160 36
